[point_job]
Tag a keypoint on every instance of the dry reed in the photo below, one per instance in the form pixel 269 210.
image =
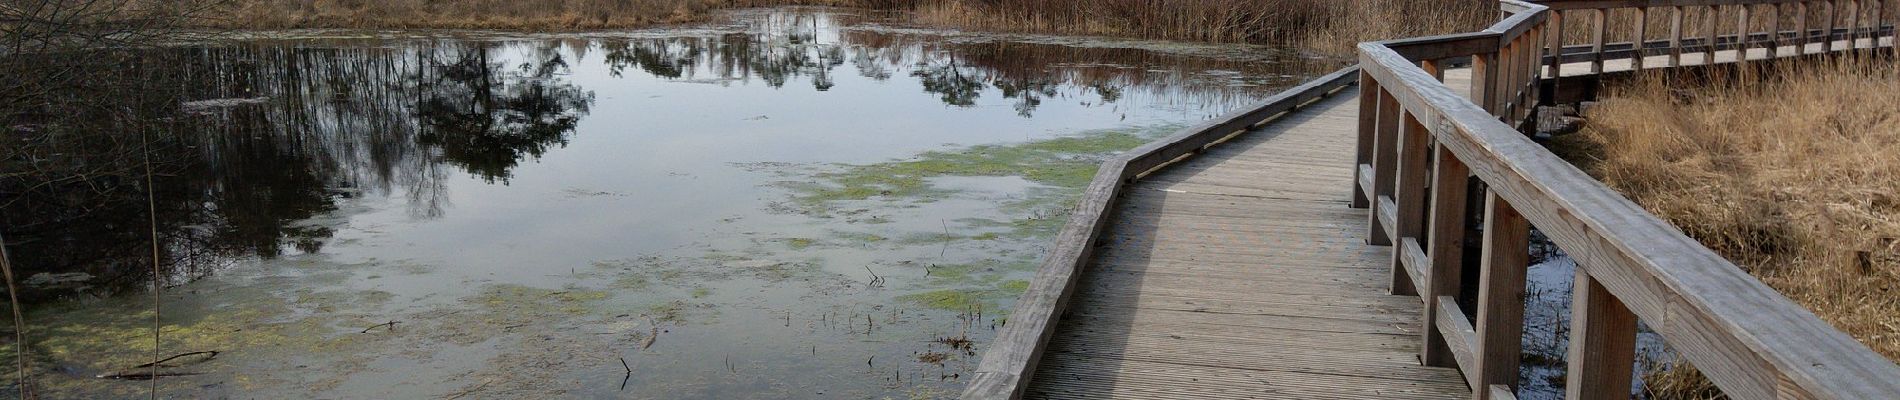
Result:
pixel 1794 175
pixel 1328 26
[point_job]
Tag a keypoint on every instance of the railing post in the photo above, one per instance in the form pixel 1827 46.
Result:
pixel 1801 25
pixel 1853 26
pixel 1501 295
pixel 1557 45
pixel 1774 30
pixel 1409 197
pixel 1639 43
pixel 1368 136
pixel 1450 182
pixel 1602 342
pixel 1384 155
pixel 1484 75
pixel 1715 33
pixel 1596 40
pixel 1675 36
pixel 1741 34
pixel 1827 37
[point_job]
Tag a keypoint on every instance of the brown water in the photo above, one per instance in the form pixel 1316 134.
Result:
pixel 799 203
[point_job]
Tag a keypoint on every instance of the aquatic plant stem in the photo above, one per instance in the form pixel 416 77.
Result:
pixel 19 320
pixel 151 204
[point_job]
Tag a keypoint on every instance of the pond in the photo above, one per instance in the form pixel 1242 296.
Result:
pixel 792 203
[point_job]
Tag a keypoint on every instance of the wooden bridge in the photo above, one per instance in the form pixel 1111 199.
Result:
pixel 1316 246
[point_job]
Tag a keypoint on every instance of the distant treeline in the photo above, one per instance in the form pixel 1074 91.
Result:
pixel 1324 25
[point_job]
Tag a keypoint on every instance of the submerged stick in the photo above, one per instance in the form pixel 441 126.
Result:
pixel 628 377
pixel 391 324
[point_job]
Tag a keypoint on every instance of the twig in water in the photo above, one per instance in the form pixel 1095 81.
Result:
pixel 19 321
pixel 629 377
pixel 391 324
pixel 876 281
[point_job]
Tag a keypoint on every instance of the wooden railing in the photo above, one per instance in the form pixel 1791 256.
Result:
pixel 1012 356
pixel 1423 146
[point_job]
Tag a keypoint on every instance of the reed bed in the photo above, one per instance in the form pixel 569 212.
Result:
pixel 1792 174
pixel 1328 26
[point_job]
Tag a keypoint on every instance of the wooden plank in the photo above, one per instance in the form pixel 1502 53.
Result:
pixel 1501 295
pixel 1368 126
pixel 1445 273
pixel 1602 344
pixel 1737 330
pixel 1460 338
pixel 1005 369
pixel 1415 149
pixel 1384 155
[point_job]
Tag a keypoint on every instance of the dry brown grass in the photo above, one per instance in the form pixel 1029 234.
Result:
pixel 1329 26
pixel 485 14
pixel 1795 176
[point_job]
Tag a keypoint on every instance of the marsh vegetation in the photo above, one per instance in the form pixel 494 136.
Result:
pixel 1805 201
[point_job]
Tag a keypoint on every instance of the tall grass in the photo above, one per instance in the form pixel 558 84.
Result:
pixel 1795 176
pixel 1330 26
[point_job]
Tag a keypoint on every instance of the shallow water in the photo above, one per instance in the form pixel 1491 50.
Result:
pixel 799 203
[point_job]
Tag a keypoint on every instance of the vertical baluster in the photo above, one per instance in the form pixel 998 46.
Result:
pixel 1514 75
pixel 1827 37
pixel 1741 34
pixel 1596 40
pixel 1853 25
pixel 1602 342
pixel 1801 26
pixel 1675 36
pixel 1501 294
pixel 1384 155
pixel 1484 75
pixel 1534 65
pixel 1637 43
pixel 1368 128
pixel 1414 148
pixel 1774 29
pixel 1431 67
pixel 1715 31
pixel 1450 180
pixel 1556 44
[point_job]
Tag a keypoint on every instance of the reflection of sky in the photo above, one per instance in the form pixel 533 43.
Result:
pixel 663 149
pixel 671 167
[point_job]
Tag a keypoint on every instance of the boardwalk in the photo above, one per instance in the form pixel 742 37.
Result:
pixel 1240 259
pixel 1243 274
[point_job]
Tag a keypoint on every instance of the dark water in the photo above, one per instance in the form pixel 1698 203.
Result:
pixel 798 203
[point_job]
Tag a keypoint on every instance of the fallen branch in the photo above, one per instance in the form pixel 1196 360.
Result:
pixel 391 324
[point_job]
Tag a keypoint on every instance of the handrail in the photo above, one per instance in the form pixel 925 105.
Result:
pixel 1011 358
pixel 1422 142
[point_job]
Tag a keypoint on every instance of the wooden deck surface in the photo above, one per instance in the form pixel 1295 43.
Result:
pixel 1242 273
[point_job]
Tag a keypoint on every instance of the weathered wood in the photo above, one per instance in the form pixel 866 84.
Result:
pixel 1006 367
pixel 1368 135
pixel 1233 286
pixel 1675 36
pixel 1602 343
pixel 1501 295
pixel 1384 154
pixel 1628 248
pixel 1445 271
pixel 1460 339
pixel 1642 30
pixel 1415 148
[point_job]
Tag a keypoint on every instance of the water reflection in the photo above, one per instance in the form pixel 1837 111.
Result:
pixel 261 137
pixel 253 139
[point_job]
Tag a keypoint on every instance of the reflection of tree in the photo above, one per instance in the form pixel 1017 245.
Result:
pixel 487 120
pixel 949 81
pixel 299 130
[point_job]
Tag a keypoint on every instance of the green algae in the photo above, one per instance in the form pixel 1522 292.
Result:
pixel 968 298
pixel 1064 162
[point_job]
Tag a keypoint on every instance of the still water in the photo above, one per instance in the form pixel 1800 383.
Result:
pixel 795 203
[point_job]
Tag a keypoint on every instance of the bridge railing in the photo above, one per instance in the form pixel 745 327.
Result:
pixel 1422 145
